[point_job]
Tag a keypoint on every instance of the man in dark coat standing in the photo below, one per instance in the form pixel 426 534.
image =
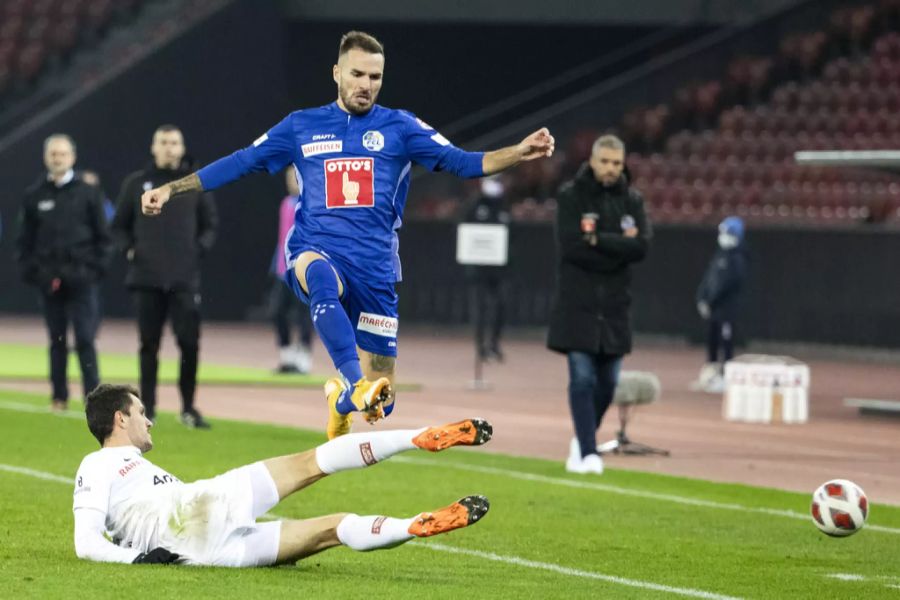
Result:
pixel 164 266
pixel 601 229
pixel 718 299
pixel 488 283
pixel 63 250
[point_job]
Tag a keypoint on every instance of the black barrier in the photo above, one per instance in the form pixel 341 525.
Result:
pixel 811 285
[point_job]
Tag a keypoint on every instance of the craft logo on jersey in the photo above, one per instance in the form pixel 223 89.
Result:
pixel 349 182
pixel 373 141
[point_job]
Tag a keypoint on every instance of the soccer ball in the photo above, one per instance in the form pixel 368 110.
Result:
pixel 839 508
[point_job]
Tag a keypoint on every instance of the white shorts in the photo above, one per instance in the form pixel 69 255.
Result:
pixel 214 520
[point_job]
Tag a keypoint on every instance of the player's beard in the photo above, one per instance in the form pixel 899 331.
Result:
pixel 351 101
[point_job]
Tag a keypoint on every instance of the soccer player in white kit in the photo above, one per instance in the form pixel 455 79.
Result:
pixel 128 510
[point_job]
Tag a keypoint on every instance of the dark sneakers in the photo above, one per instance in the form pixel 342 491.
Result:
pixel 194 420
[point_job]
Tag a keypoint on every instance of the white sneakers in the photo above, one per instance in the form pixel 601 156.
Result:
pixel 709 380
pixel 590 464
pixel 294 359
pixel 303 359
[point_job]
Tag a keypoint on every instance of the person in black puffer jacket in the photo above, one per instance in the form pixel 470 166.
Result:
pixel 63 250
pixel 601 229
pixel 164 256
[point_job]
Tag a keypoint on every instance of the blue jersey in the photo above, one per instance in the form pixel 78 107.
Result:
pixel 353 172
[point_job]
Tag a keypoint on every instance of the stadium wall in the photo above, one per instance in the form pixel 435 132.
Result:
pixel 805 285
pixel 223 83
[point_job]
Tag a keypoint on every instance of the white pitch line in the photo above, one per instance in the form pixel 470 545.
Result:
pixel 846 576
pixel 37 474
pixel 510 560
pixel 44 410
pixel 533 564
pixel 613 489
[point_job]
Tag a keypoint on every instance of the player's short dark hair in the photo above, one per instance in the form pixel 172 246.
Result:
pixel 101 405
pixel 168 127
pixel 360 41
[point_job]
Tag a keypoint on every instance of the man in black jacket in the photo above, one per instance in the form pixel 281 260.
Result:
pixel 601 229
pixel 63 249
pixel 164 266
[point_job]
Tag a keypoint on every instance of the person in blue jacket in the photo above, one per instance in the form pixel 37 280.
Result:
pixel 353 159
pixel 718 301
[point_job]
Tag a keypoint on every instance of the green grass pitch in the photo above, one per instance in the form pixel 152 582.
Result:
pixel 548 534
pixel 26 362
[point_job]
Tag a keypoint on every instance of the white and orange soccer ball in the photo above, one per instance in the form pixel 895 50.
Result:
pixel 839 508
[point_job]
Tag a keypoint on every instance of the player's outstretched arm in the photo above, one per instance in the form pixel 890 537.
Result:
pixel 537 145
pixel 90 543
pixel 152 201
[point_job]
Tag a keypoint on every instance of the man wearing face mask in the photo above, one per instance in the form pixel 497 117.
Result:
pixel 601 229
pixel 718 297
pixel 487 284
pixel 63 250
pixel 164 267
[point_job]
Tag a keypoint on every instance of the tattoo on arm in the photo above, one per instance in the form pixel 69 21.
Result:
pixel 191 183
pixel 383 364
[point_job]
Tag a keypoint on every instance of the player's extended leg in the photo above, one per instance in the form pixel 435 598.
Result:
pixel 288 541
pixel 300 539
pixel 319 279
pixel 294 472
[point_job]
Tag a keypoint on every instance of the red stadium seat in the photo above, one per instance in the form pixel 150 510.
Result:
pixel 99 13
pixel 15 8
pixel 30 61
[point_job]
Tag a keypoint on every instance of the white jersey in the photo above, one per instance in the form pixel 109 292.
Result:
pixel 146 507
pixel 130 490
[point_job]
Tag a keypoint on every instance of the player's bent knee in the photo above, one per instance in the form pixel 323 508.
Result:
pixel 302 264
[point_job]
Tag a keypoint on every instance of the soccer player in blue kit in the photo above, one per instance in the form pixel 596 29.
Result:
pixel 352 159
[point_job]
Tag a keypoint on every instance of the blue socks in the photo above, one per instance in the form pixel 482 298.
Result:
pixel 334 327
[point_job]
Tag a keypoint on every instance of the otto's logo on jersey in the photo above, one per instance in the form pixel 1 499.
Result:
pixel 349 182
pixel 373 141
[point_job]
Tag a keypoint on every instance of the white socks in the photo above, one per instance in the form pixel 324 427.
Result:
pixel 373 532
pixel 355 451
pixel 358 450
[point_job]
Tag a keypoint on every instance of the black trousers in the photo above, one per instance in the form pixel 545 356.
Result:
pixel 488 300
pixel 153 306
pixel 283 306
pixel 80 306
pixel 720 336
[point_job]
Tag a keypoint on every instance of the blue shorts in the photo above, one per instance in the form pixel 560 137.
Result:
pixel 371 306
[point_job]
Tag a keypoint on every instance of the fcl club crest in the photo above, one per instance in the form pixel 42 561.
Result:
pixel 373 141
